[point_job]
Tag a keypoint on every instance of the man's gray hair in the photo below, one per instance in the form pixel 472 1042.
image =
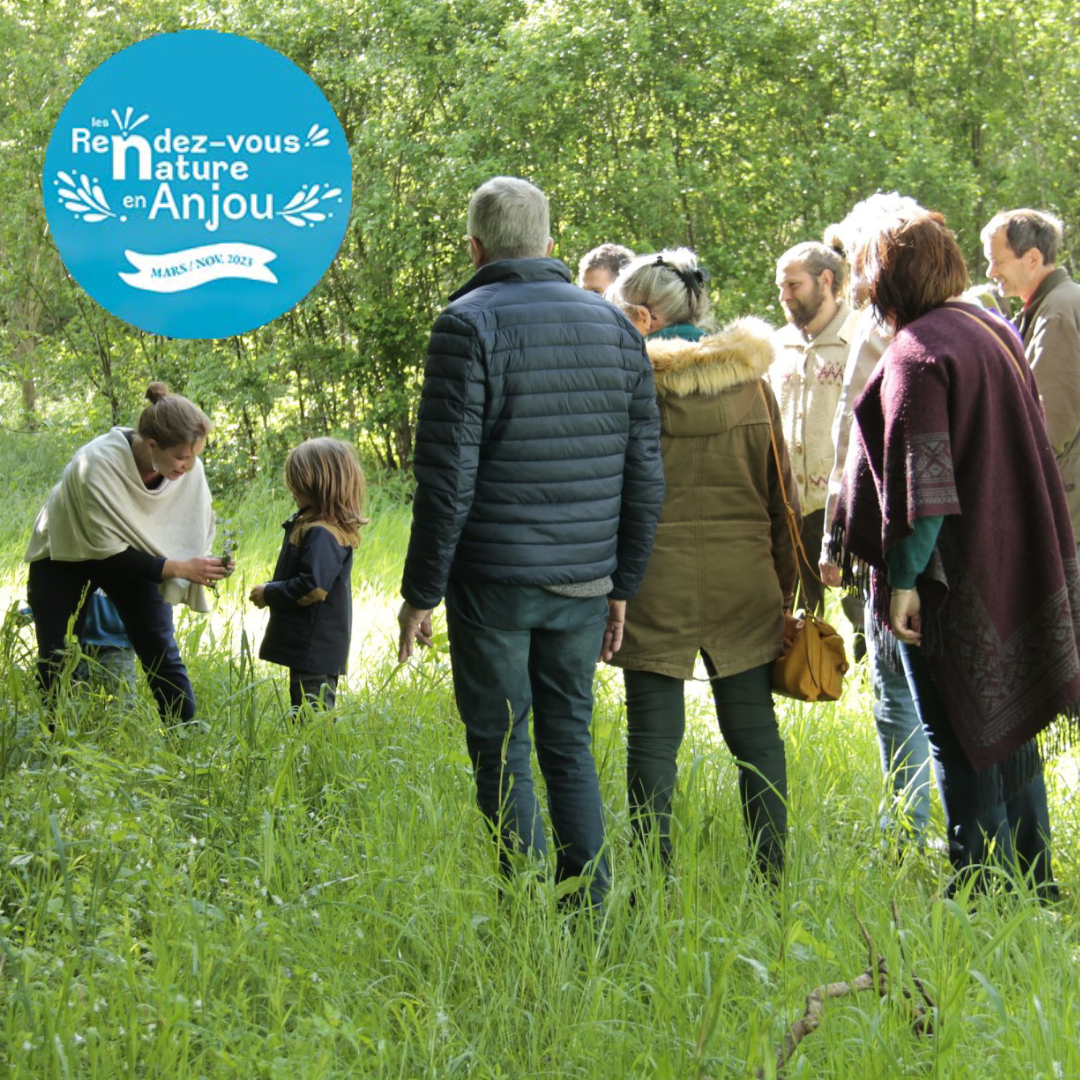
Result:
pixel 816 258
pixel 510 218
pixel 670 284
pixel 1026 229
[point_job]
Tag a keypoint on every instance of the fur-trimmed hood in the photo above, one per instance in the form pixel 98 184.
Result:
pixel 739 353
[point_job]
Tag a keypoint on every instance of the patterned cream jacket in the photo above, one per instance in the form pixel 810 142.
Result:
pixel 807 377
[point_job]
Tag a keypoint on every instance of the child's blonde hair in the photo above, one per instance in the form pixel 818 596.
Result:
pixel 326 475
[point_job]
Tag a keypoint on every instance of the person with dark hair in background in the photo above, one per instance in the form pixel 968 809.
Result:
pixel 132 516
pixel 953 504
pixel 904 751
pixel 600 267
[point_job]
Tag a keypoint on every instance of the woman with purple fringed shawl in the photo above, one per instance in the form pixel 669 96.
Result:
pixel 952 505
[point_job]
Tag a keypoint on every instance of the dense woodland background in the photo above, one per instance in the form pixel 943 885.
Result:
pixel 738 127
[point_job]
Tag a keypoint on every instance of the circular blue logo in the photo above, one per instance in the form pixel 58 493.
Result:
pixel 197 184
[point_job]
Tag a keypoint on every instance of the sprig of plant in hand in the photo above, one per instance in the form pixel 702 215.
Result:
pixel 230 544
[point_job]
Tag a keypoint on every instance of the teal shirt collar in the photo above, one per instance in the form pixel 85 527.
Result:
pixel 678 330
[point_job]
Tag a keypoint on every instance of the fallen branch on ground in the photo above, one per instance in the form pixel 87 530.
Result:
pixel 874 978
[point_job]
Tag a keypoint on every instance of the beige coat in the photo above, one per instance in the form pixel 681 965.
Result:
pixel 722 564
pixel 1050 326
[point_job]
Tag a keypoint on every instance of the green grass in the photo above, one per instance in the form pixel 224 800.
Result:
pixel 319 900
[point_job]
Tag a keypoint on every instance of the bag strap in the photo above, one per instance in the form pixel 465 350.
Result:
pixel 991 329
pixel 789 511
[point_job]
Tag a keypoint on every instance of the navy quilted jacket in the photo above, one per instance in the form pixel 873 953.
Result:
pixel 537 444
pixel 310 599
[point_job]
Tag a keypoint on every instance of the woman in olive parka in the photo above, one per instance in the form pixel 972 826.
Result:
pixel 722 570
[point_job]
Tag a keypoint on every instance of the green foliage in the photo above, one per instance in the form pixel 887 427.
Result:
pixel 737 128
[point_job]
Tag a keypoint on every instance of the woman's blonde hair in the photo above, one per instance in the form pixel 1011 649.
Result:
pixel 670 284
pixel 326 474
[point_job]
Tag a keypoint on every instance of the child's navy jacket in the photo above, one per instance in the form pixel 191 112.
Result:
pixel 310 599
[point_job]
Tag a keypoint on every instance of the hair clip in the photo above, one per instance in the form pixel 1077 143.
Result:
pixel 694 279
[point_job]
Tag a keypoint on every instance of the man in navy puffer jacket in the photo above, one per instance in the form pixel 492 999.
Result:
pixel 539 483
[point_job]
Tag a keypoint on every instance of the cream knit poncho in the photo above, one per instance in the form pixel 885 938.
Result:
pixel 101 507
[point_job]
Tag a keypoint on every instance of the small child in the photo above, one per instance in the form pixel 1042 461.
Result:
pixel 310 598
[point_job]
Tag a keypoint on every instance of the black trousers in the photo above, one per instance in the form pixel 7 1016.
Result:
pixel 319 691
pixel 55 590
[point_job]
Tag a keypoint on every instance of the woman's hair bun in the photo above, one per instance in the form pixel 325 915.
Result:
pixel 156 391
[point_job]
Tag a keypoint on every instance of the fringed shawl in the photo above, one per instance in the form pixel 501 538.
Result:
pixel 101 507
pixel 950 424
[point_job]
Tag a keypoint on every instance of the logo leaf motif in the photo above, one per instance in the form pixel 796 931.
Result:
pixel 295 201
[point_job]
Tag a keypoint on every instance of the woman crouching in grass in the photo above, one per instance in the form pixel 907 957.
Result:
pixel 132 516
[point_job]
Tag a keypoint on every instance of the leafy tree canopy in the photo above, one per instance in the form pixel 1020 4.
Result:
pixel 737 128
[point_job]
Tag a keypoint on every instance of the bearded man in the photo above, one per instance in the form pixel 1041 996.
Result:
pixel 807 378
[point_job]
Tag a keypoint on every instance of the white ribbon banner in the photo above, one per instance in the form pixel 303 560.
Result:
pixel 182 270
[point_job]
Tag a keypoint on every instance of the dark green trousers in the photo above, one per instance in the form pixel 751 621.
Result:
pixel 656 721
